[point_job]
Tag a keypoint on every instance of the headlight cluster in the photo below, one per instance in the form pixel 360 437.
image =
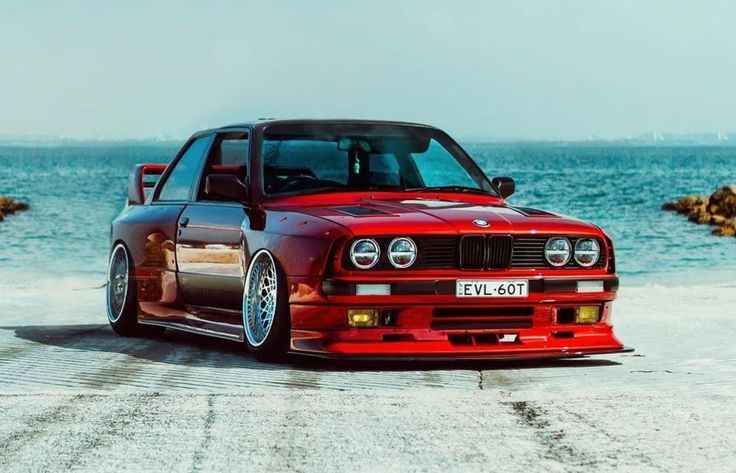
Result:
pixel 559 250
pixel 587 252
pixel 366 253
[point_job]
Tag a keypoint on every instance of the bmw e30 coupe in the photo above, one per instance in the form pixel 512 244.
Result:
pixel 358 239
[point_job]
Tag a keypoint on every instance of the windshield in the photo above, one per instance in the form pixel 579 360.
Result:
pixel 314 158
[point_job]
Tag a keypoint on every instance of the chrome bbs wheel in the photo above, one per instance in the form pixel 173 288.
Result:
pixel 117 283
pixel 259 301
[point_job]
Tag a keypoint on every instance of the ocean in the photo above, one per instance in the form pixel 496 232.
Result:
pixel 76 191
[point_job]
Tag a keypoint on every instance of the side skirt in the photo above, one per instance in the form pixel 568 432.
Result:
pixel 191 329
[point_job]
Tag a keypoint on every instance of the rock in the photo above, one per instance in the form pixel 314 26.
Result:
pixel 723 201
pixel 718 220
pixel 671 206
pixel 719 209
pixel 699 216
pixel 727 229
pixel 9 206
pixel 686 204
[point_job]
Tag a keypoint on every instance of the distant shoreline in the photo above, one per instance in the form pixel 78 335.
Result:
pixel 469 144
pixel 91 143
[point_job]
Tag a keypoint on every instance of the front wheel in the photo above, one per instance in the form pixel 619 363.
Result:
pixel 266 317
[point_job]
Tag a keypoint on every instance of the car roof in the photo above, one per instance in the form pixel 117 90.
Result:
pixel 264 122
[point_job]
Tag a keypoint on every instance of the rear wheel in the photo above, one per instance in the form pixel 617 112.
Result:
pixel 266 318
pixel 122 304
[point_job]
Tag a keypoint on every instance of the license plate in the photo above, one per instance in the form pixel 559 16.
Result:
pixel 495 288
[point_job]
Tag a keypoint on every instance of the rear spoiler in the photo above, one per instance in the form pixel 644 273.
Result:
pixel 142 182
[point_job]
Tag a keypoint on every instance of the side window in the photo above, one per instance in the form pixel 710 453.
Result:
pixel 229 155
pixel 181 179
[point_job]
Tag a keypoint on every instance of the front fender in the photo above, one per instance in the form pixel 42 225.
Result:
pixel 300 243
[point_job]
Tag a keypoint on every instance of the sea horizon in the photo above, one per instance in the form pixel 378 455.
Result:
pixel 716 139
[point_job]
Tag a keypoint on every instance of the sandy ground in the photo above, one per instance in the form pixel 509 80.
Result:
pixel 74 396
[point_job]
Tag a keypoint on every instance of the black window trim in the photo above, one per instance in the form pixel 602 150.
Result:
pixel 200 173
pixel 170 168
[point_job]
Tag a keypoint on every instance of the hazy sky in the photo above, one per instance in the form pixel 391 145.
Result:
pixel 506 69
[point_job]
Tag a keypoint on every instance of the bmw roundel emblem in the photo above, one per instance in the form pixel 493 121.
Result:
pixel 481 223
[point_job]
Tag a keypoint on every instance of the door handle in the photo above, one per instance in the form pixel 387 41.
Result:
pixel 184 222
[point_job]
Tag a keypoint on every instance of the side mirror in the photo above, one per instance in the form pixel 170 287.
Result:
pixel 505 186
pixel 225 187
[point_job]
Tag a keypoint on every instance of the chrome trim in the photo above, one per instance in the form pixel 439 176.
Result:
pixel 569 253
pixel 414 253
pixel 598 252
pixel 204 273
pixel 365 266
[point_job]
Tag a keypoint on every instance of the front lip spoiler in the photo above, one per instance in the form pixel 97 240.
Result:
pixel 461 357
pixel 332 287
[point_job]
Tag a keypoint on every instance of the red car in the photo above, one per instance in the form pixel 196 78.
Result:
pixel 360 239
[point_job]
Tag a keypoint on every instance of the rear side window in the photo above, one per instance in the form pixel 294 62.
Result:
pixel 182 177
pixel 229 155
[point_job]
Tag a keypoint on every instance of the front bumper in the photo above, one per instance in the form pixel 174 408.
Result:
pixel 424 319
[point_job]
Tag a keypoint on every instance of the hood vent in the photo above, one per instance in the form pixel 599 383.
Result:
pixel 360 211
pixel 531 212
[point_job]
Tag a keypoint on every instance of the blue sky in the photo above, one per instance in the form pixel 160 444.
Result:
pixel 524 69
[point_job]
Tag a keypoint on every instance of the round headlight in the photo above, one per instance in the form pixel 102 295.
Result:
pixel 587 252
pixel 365 253
pixel 402 252
pixel 557 251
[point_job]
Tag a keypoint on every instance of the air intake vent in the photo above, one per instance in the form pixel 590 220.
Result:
pixel 481 318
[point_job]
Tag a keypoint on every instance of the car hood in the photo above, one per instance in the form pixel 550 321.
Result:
pixel 411 215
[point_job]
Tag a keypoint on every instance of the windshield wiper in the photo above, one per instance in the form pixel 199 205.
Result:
pixel 333 189
pixel 463 189
pixel 369 188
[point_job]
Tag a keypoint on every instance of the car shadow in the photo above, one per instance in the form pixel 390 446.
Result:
pixel 181 348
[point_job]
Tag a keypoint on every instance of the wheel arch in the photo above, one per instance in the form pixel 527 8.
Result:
pixel 296 255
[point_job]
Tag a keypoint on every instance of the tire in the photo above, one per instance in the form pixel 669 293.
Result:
pixel 121 295
pixel 266 316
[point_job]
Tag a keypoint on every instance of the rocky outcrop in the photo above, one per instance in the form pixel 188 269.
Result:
pixel 9 206
pixel 719 209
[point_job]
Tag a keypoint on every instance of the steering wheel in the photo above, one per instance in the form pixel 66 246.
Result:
pixel 296 183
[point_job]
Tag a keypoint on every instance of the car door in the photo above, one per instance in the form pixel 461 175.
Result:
pixel 155 235
pixel 211 252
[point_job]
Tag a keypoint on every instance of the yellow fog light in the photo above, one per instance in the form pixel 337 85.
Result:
pixel 363 317
pixel 587 314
